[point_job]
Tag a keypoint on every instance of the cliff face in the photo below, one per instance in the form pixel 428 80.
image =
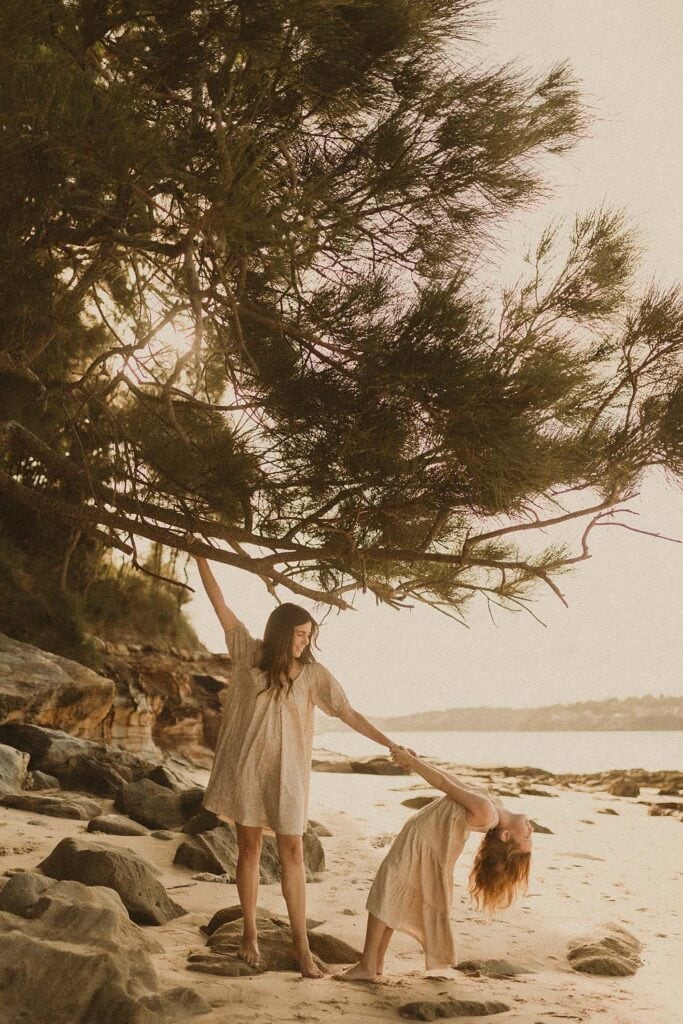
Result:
pixel 145 699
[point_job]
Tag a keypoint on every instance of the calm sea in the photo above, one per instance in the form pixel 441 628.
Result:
pixel 555 751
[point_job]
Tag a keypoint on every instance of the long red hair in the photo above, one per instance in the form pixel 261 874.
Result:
pixel 499 871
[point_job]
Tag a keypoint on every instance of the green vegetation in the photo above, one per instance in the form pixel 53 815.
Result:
pixel 239 252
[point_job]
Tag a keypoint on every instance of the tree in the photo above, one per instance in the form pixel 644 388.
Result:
pixel 241 301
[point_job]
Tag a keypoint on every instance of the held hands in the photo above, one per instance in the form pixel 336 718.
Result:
pixel 402 756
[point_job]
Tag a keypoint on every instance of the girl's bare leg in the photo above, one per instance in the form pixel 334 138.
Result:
pixel 247 873
pixel 383 944
pixel 291 852
pixel 375 943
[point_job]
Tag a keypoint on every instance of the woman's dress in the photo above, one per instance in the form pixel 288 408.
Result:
pixel 261 771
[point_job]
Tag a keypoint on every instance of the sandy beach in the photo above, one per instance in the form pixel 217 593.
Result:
pixel 594 868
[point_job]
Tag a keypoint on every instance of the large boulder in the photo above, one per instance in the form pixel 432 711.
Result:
pixel 67 805
pixel 624 787
pixel 157 806
pixel 13 769
pixel 77 763
pixel 43 688
pixel 96 863
pixel 70 955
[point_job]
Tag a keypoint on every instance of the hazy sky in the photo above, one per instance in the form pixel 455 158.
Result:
pixel 622 634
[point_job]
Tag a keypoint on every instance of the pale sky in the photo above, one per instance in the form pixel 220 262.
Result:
pixel 622 633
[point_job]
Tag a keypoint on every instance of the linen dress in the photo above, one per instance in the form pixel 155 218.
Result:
pixel 262 766
pixel 413 888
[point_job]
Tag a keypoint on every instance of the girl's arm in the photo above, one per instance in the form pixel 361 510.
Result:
pixel 477 805
pixel 356 721
pixel 226 616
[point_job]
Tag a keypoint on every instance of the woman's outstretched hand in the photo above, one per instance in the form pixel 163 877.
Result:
pixel 402 756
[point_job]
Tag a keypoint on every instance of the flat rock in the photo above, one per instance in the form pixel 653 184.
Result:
pixel 607 810
pixel 416 802
pixel 235 913
pixel 163 834
pixel 78 763
pixel 221 953
pixel 13 769
pixel 83 934
pixel 377 766
pixel 156 806
pixel 326 762
pixel 67 806
pixel 492 968
pixel 96 863
pixel 533 791
pixel 611 951
pixel 541 829
pixel 116 825
pixel 432 1010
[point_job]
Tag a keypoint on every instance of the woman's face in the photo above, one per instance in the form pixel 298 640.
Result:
pixel 301 639
pixel 521 830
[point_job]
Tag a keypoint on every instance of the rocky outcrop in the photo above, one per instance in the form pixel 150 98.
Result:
pixel 166 699
pixel 52 931
pixel 96 863
pixel 612 951
pixel 13 769
pixel 77 763
pixel 43 688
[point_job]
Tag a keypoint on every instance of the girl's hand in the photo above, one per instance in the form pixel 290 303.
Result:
pixel 402 756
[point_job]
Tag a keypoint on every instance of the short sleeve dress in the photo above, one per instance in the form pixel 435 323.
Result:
pixel 262 766
pixel 413 889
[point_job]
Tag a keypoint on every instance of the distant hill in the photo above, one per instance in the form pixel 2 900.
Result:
pixel 634 713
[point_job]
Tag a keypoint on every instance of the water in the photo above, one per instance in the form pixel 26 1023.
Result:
pixel 555 751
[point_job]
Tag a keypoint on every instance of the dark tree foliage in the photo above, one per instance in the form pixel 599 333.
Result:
pixel 240 301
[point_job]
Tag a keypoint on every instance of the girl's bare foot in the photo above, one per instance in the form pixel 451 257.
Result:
pixel 357 973
pixel 249 951
pixel 380 968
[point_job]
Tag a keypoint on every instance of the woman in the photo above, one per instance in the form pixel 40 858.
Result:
pixel 412 891
pixel 261 772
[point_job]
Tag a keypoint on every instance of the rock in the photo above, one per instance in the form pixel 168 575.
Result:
pixel 324 761
pixel 220 955
pixel 669 791
pixel 624 786
pixel 202 821
pixel 607 810
pixel 161 833
pixel 77 763
pixel 171 777
pixel 50 691
pixel 157 806
pixel 377 766
pixel 22 891
pixel 82 935
pixel 332 950
pixel 176 1004
pixel 215 851
pixel 541 828
pixel 116 825
pixel 96 863
pixel 612 951
pixel 417 802
pixel 234 913
pixel 492 968
pixel 40 780
pixel 66 806
pixel 320 830
pixel 532 791
pixel 428 1010
pixel 13 769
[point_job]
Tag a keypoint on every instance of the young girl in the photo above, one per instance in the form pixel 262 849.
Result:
pixel 413 888
pixel 261 771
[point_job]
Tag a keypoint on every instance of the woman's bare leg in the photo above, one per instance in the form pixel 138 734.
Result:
pixel 375 944
pixel 291 852
pixel 247 873
pixel 381 952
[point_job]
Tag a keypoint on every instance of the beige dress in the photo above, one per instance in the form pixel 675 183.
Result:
pixel 262 766
pixel 413 889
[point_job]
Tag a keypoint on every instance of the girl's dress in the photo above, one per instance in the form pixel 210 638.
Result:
pixel 413 889
pixel 261 770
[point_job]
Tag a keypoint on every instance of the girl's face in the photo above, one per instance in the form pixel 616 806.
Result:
pixel 521 830
pixel 301 639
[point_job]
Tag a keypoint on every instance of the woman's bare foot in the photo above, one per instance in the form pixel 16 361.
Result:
pixel 380 968
pixel 356 973
pixel 308 966
pixel 249 951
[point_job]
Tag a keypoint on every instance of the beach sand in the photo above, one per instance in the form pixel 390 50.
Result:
pixel 596 868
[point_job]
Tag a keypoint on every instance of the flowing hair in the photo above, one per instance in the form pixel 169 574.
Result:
pixel 499 871
pixel 276 652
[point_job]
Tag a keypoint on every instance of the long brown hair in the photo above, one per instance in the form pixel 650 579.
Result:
pixel 276 652
pixel 500 870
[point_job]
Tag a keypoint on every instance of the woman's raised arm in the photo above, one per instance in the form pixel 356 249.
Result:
pixel 226 616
